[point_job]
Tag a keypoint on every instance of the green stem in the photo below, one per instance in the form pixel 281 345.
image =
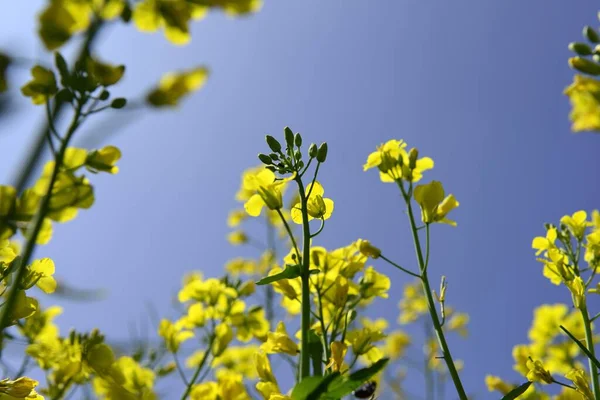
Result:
pixel 589 340
pixel 430 302
pixel 428 372
pixel 290 234
pixel 34 230
pixel 200 366
pixel 269 292
pixel 180 369
pixel 323 329
pixel 399 267
pixel 305 277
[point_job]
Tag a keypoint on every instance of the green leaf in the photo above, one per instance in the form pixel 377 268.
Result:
pixel 290 272
pixel 313 387
pixel 344 385
pixel 307 386
pixel 582 347
pixel 516 392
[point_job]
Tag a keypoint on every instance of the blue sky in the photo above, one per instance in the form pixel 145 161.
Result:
pixel 477 86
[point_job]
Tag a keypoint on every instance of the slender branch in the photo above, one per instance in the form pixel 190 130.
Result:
pixel 180 369
pixel 431 304
pixel 290 234
pixel 200 366
pixel 399 267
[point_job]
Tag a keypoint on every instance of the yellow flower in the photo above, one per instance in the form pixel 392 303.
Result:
pixel 458 322
pixel 577 288
pixel 40 273
pixel 250 324
pixel 413 303
pixel 104 160
pixel 175 86
pixel 223 336
pixel 537 372
pixel 210 291
pixel 172 15
pixel 237 238
pixel 396 343
pixel 338 352
pixel 544 243
pixel 584 94
pixel 367 249
pixel 42 86
pixel 363 340
pixel 280 342
pixel 316 206
pixel 577 223
pixel 494 383
pixel 173 334
pixel 374 284
pixel 40 324
pixel 267 192
pixel 138 382
pixel 263 367
pixel 577 376
pixel 104 74
pixel 21 388
pixel 236 217
pixel 394 162
pixel 434 207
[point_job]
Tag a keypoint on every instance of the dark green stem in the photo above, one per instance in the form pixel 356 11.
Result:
pixel 589 340
pixel 305 277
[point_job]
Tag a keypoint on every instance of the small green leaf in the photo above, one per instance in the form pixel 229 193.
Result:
pixel 290 272
pixel 63 70
pixel 304 389
pixel 313 387
pixel 582 347
pixel 344 385
pixel 516 392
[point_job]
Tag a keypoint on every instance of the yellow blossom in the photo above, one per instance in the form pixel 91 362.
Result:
pixel 434 206
pixel 173 334
pixel 237 237
pixel 584 94
pixel 544 243
pixel 367 249
pixel 338 352
pixel 175 86
pixel 494 383
pixel 577 376
pixel 316 205
pixel 577 223
pixel 280 342
pixel 537 372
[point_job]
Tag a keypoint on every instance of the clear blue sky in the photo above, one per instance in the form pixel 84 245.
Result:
pixel 476 85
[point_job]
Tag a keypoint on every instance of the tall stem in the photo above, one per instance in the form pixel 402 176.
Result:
pixel 430 302
pixel 34 230
pixel 305 277
pixel 589 339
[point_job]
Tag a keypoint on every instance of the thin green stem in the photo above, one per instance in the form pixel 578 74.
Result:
pixel 564 384
pixel 290 234
pixel 589 340
pixel 180 369
pixel 192 381
pixel 430 302
pixel 429 383
pixel 34 229
pixel 399 267
pixel 323 329
pixel 305 277
pixel 319 230
pixel 312 183
pixel 269 292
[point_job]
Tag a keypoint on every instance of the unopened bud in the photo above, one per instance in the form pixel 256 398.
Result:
pixel 581 49
pixel 265 159
pixel 289 136
pixel 413 154
pixel 298 140
pixel 590 34
pixel 312 150
pixel 273 144
pixel 322 152
pixel 584 65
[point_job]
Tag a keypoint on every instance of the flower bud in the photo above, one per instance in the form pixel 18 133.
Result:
pixel 367 249
pixel 274 145
pixel 298 140
pixel 581 49
pixel 312 150
pixel 590 34
pixel 289 136
pixel 322 152
pixel 118 103
pixel 413 154
pixel 584 65
pixel 265 159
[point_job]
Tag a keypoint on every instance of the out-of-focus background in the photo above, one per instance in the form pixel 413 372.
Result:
pixel 477 86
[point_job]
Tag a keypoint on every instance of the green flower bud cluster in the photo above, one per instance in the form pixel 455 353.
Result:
pixel 290 159
pixel 587 59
